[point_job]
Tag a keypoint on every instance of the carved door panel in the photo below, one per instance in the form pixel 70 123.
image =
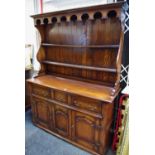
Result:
pixel 85 130
pixel 62 121
pixel 41 112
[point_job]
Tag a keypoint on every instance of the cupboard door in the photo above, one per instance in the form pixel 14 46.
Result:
pixel 41 112
pixel 85 130
pixel 62 119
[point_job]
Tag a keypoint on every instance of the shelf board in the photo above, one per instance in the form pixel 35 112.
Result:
pixel 80 46
pixel 80 66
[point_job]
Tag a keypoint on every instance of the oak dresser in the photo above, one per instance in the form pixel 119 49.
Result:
pixel 80 61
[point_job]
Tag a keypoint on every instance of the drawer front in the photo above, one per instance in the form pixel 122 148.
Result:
pixel 61 96
pixel 86 104
pixel 41 91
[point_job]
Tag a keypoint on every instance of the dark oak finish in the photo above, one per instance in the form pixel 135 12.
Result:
pixel 81 88
pixel 80 66
pixel 80 46
pixel 80 56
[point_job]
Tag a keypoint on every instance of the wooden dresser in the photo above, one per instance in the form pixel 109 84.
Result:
pixel 80 56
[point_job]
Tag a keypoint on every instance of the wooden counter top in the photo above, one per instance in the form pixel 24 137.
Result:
pixel 94 91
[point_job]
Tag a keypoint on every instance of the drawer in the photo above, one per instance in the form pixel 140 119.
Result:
pixel 41 91
pixel 61 96
pixel 86 104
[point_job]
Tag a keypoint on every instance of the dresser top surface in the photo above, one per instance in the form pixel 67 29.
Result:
pixel 94 91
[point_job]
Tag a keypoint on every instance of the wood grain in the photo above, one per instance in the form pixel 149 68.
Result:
pixel 80 55
pixel 94 91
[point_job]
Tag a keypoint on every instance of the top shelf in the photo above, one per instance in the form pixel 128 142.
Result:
pixel 80 46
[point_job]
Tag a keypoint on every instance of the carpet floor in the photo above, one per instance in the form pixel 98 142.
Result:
pixel 39 142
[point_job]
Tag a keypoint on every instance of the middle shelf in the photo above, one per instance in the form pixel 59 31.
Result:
pixel 80 46
pixel 113 70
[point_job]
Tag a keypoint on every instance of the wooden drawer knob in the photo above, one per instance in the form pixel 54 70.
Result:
pixel 75 102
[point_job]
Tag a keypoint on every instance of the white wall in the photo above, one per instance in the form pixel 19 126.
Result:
pixel 30 31
pixel 52 5
pixel 29 28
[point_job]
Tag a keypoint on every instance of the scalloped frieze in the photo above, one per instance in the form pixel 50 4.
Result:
pixel 114 13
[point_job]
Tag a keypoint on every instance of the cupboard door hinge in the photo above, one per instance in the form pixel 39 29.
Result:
pixel 96 146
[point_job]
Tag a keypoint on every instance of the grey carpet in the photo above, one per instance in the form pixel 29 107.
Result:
pixel 39 142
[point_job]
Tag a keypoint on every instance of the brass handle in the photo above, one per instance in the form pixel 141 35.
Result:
pixel 76 103
pixel 92 108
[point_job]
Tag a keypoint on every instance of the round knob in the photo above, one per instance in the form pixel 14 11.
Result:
pixel 75 101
